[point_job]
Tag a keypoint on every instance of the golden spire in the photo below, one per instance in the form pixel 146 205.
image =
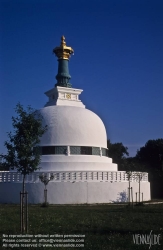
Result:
pixel 63 52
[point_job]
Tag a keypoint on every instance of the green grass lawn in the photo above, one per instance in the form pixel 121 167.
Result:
pixel 104 226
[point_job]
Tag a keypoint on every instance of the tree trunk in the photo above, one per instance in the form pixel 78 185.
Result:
pixel 129 191
pixel 139 189
pixel 23 214
pixel 23 183
pixel 45 195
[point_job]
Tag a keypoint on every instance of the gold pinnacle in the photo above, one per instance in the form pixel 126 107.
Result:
pixel 63 52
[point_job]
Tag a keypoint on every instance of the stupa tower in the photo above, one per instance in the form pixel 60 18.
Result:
pixel 63 53
pixel 74 150
pixel 63 93
pixel 76 137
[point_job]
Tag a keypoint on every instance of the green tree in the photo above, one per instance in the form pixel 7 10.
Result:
pixel 152 155
pixel 21 154
pixel 139 176
pixel 132 164
pixel 118 152
pixel 129 175
pixel 2 165
pixel 44 179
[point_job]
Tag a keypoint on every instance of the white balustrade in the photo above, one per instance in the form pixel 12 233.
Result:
pixel 90 176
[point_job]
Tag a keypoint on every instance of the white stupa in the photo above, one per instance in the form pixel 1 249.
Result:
pixel 74 150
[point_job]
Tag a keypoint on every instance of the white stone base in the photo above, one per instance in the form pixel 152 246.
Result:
pixel 73 193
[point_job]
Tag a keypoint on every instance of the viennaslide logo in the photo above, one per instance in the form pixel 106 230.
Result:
pixel 147 239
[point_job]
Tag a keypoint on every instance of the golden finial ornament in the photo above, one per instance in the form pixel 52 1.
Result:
pixel 63 52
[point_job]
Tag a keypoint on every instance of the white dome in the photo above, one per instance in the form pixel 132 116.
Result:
pixel 73 126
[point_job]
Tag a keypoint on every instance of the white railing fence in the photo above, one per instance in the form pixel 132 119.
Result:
pixel 71 176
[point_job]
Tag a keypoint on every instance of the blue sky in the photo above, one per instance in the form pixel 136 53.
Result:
pixel 118 61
